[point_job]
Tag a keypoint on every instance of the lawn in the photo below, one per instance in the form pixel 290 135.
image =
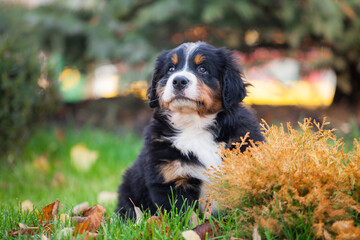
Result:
pixel 44 173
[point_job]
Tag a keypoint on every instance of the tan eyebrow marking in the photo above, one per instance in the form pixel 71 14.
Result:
pixel 174 58
pixel 199 59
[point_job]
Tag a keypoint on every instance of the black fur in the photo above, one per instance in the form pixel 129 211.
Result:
pixel 143 182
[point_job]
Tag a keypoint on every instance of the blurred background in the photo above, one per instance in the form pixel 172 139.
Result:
pixel 74 74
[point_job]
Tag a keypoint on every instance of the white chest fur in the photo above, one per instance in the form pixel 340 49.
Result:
pixel 194 137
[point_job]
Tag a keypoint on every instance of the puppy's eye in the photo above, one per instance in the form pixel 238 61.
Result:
pixel 202 69
pixel 171 69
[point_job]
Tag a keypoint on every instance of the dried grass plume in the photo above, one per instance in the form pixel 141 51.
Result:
pixel 292 173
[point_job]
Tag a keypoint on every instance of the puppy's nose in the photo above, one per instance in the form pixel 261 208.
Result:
pixel 180 83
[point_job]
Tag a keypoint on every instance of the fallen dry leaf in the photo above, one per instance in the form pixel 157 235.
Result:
pixel 59 134
pixel 190 235
pixel 107 197
pixel 58 180
pixel 64 218
pixel 27 206
pixel 157 222
pixel 82 158
pixel 48 230
pixel 77 219
pixel 81 228
pixel 23 230
pixel 49 213
pixel 41 163
pixel 207 229
pixel 78 209
pixel 194 219
pixel 256 234
pixel 138 214
pixel 95 215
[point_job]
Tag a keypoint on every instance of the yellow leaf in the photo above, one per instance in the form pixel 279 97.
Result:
pixel 82 158
pixel 27 206
pixel 64 218
pixel 41 163
pixel 190 235
pixel 107 197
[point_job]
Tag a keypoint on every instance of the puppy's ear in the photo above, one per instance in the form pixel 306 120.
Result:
pixel 158 70
pixel 233 86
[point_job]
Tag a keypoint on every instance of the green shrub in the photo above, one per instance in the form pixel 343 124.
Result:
pixel 23 103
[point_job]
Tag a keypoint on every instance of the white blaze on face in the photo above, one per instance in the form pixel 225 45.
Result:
pixel 191 90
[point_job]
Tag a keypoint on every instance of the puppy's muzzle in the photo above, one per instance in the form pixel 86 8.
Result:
pixel 180 83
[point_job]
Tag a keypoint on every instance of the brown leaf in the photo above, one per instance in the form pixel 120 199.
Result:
pixel 59 134
pixel 81 228
pixel 157 222
pixel 78 209
pixel 48 230
pixel 49 213
pixel 95 215
pixel 78 219
pixel 23 230
pixel 207 229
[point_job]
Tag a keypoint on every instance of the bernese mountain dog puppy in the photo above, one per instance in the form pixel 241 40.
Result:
pixel 196 93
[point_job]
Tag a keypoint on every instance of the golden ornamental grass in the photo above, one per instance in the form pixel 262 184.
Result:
pixel 291 173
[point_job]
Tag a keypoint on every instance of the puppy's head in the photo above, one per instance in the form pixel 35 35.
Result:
pixel 196 77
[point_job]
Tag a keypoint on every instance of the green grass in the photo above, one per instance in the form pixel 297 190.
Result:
pixel 22 180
